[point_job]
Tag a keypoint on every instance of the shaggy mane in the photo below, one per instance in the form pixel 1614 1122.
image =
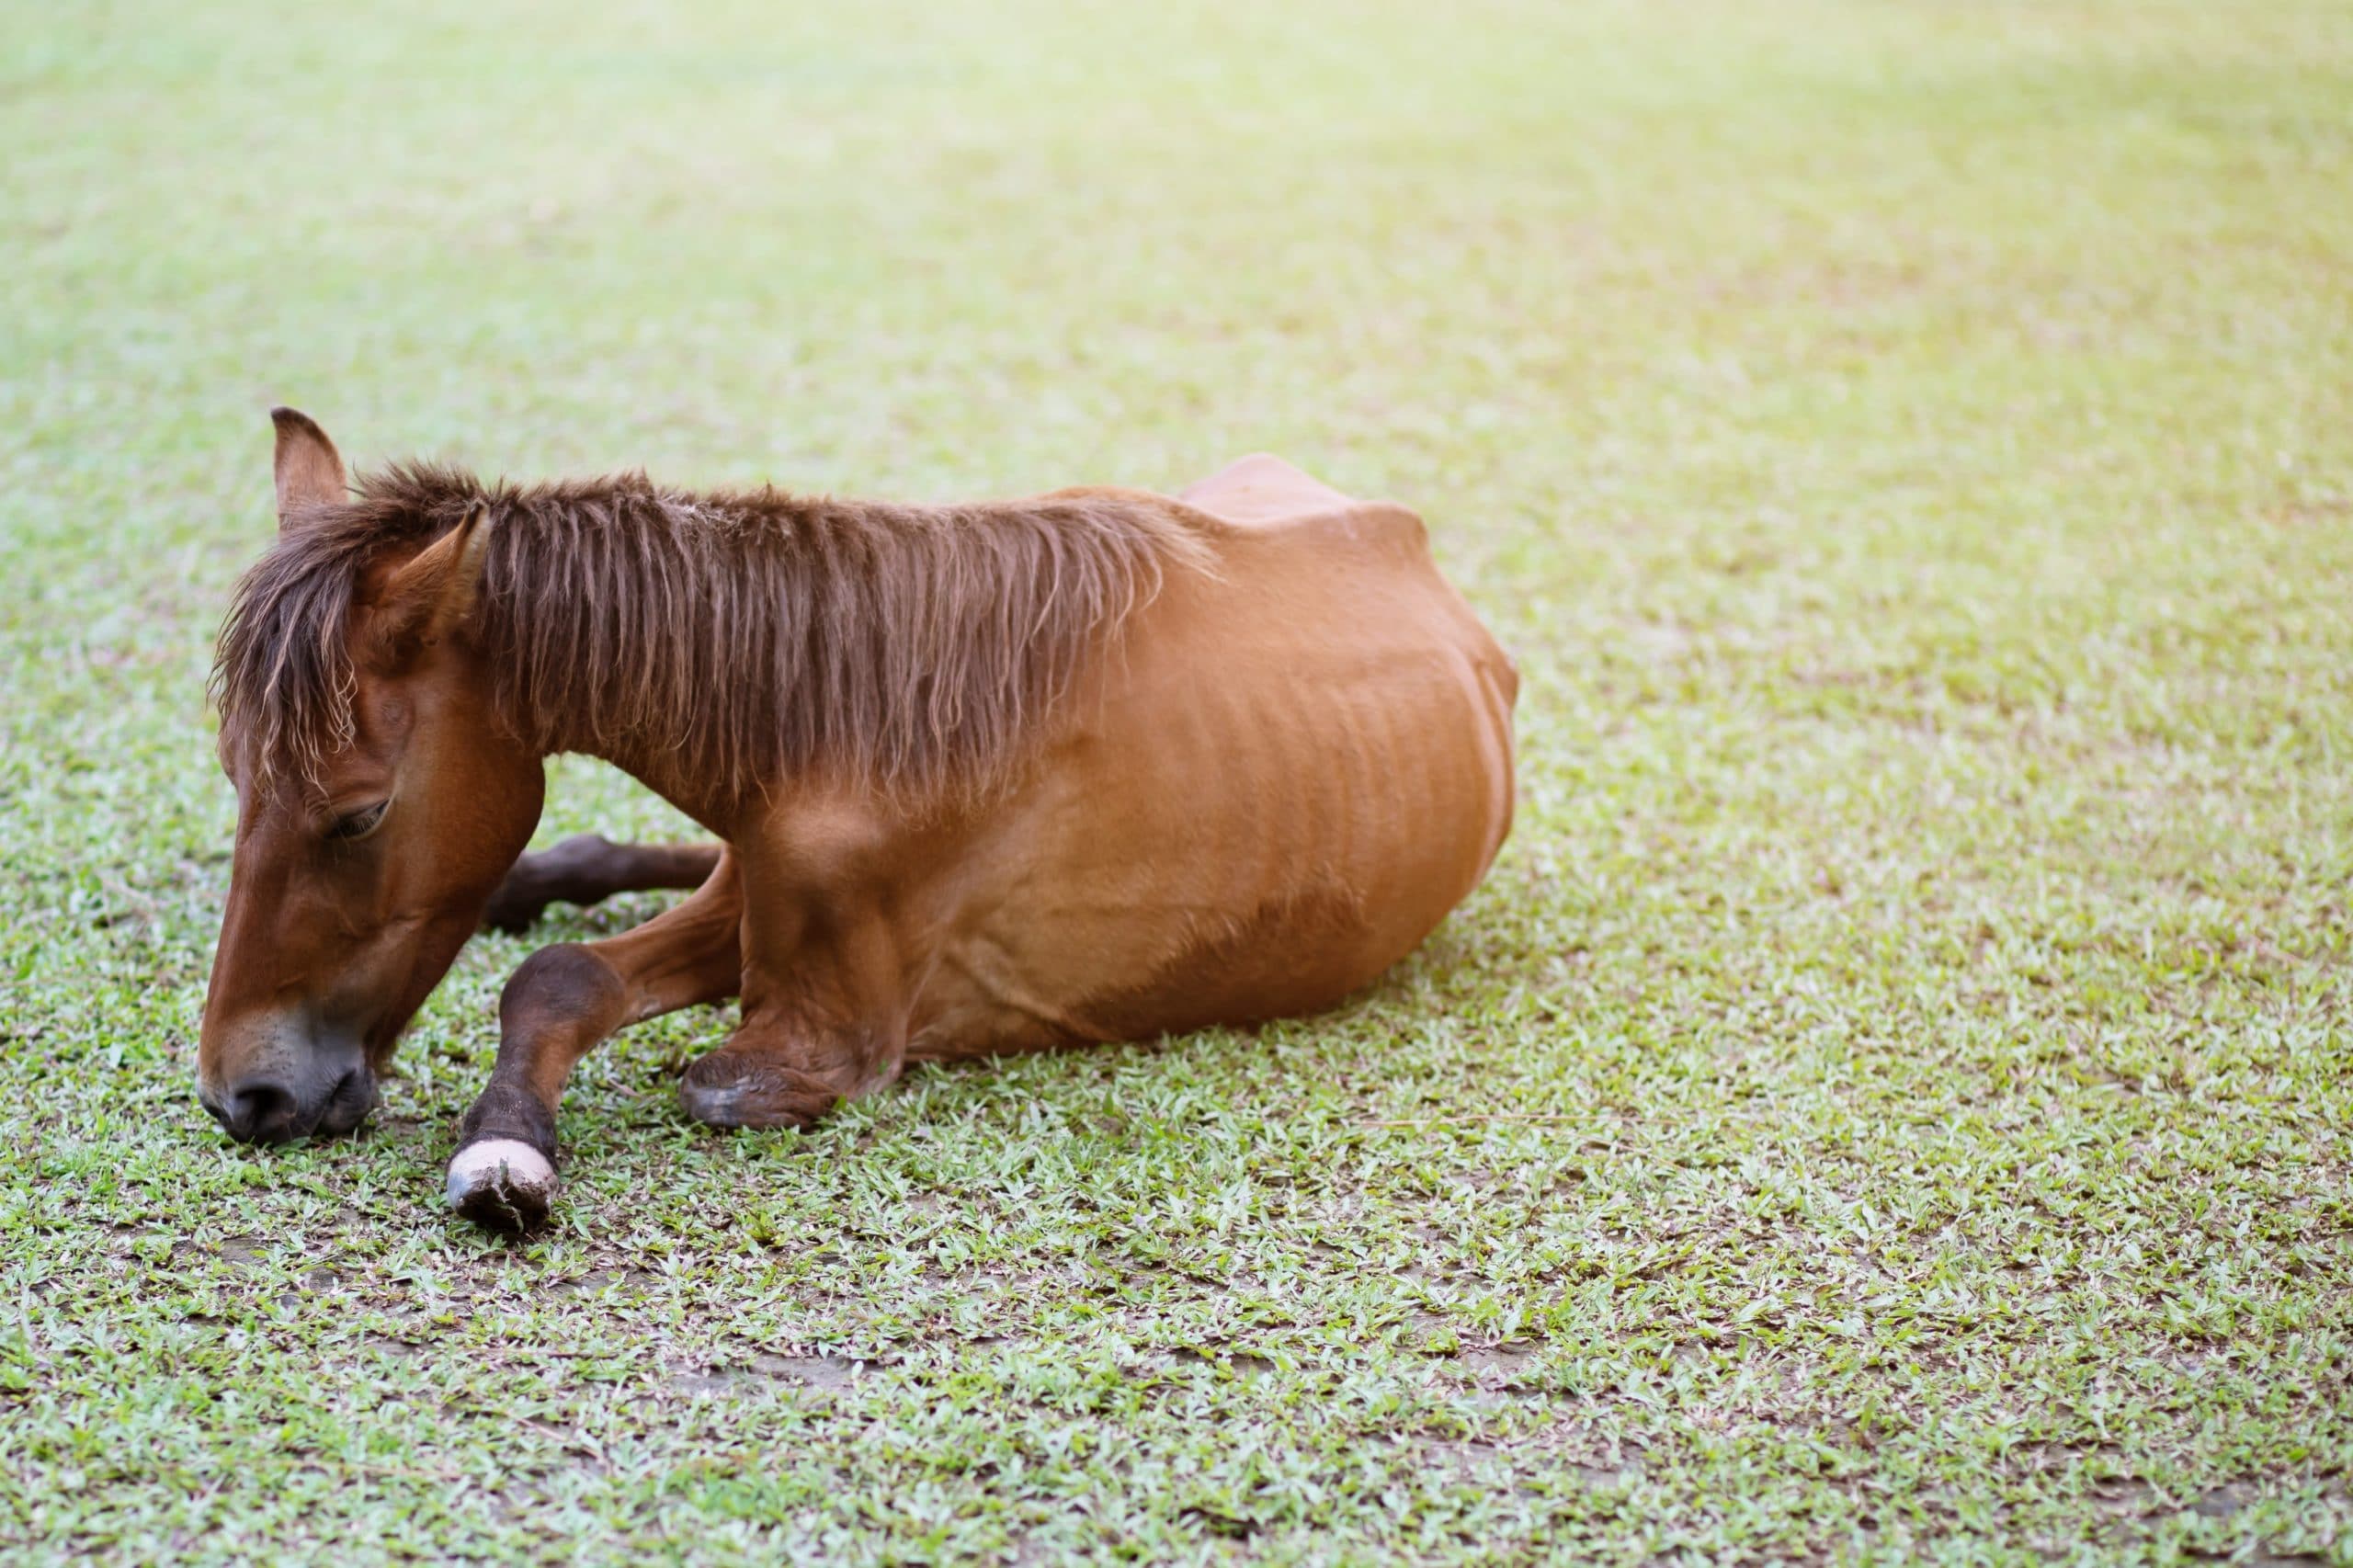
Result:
pixel 758 636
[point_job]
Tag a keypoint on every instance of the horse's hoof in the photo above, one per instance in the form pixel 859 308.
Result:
pixel 502 1185
pixel 514 911
pixel 718 1094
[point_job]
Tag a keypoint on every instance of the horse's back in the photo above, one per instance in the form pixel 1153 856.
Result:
pixel 1293 766
pixel 1264 501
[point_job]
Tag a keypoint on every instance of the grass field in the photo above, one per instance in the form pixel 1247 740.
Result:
pixel 1891 1100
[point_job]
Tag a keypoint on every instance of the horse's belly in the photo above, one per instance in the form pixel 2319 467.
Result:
pixel 1256 821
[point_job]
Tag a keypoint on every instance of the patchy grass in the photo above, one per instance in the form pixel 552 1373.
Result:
pixel 1890 1102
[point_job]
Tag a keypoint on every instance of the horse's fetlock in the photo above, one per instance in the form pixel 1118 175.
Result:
pixel 503 1113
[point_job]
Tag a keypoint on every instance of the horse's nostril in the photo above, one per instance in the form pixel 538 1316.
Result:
pixel 260 1112
pixel 348 1103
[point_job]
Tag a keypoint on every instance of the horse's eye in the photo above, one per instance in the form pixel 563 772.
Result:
pixel 358 823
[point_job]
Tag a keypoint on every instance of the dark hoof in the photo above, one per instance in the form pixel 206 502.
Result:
pixel 514 910
pixel 723 1092
pixel 502 1185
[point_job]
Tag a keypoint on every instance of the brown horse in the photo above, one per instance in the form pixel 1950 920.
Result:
pixel 1094 765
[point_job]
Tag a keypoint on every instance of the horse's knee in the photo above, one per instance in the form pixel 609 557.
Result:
pixel 565 986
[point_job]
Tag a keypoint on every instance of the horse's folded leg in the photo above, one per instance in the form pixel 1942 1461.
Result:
pixel 522 897
pixel 554 1010
pixel 560 1004
pixel 587 870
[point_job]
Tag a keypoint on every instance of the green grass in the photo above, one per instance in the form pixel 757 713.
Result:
pixel 1891 1100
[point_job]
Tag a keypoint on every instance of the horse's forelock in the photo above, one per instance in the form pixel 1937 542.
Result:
pixel 282 670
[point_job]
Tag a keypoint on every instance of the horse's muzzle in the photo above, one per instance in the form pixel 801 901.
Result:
pixel 279 1107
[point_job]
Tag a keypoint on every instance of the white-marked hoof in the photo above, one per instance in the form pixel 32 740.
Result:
pixel 502 1185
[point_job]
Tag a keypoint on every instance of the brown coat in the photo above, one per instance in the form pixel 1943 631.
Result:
pixel 1097 766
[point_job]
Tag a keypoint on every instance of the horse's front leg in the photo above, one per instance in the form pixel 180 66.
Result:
pixel 825 1016
pixel 587 869
pixel 562 1003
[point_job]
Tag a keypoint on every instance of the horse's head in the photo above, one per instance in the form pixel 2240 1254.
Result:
pixel 379 802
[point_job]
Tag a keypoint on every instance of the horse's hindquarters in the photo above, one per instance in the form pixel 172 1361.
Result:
pixel 1283 784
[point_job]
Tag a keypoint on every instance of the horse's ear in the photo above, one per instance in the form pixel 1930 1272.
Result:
pixel 309 468
pixel 434 592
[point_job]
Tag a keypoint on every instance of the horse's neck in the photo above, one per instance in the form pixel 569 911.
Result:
pixel 663 770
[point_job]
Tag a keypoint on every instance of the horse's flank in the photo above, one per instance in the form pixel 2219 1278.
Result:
pixel 743 637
